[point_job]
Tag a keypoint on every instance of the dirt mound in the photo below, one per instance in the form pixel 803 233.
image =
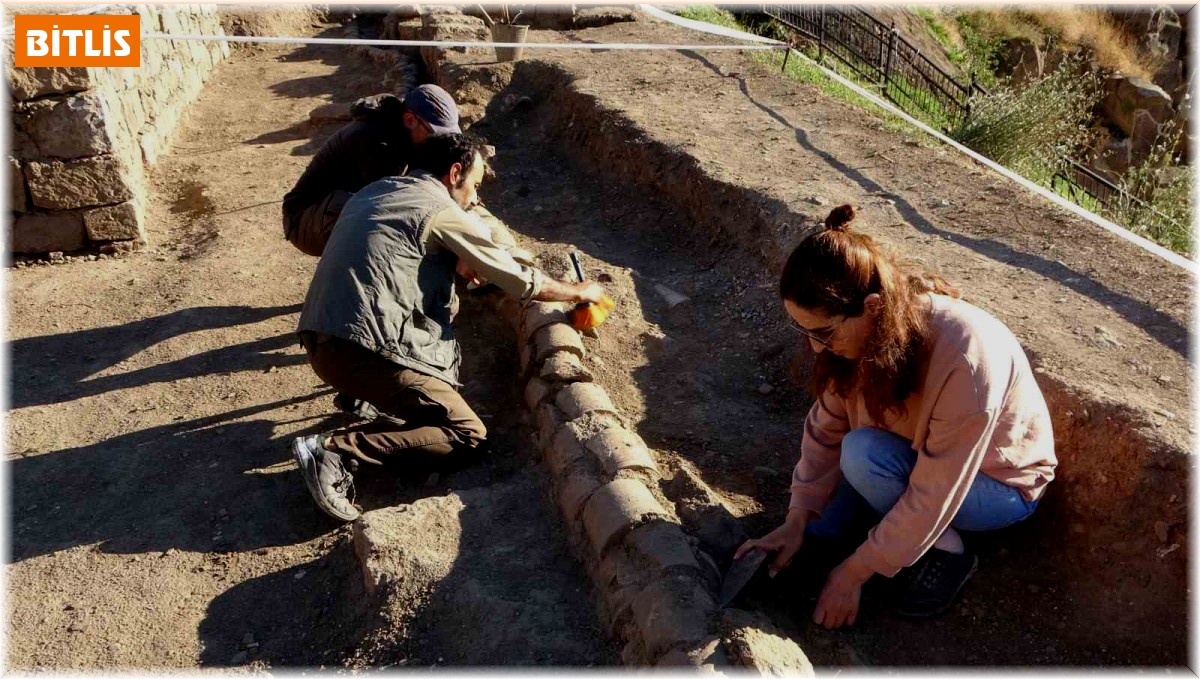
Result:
pixel 269 21
pixel 457 591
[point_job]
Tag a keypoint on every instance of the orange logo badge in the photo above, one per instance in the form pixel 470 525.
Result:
pixel 77 40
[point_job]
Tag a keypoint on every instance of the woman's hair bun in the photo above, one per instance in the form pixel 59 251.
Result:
pixel 839 218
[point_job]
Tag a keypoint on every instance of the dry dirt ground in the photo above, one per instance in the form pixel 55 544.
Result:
pixel 158 522
pixel 619 156
pixel 157 518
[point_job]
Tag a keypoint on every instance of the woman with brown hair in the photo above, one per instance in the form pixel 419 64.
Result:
pixel 926 414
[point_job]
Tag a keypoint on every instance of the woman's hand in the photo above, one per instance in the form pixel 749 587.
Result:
pixel 838 603
pixel 785 540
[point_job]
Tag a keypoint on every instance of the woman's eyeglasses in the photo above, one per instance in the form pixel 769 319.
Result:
pixel 821 336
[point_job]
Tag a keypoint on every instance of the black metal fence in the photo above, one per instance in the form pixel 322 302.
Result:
pixel 1080 179
pixel 878 54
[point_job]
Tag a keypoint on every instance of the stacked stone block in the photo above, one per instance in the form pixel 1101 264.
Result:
pixel 82 137
pixel 658 592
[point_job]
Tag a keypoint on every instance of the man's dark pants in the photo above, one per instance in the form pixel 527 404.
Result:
pixel 309 228
pixel 425 414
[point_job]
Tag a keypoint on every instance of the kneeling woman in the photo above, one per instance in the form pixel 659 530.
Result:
pixel 927 413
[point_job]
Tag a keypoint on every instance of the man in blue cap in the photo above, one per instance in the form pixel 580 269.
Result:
pixel 378 143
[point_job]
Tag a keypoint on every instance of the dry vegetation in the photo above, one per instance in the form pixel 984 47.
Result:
pixel 1080 26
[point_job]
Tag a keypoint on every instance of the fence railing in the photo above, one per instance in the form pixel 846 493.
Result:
pixel 879 55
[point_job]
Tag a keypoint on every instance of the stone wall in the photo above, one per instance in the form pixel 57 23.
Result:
pixel 82 137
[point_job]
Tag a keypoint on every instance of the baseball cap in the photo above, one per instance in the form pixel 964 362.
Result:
pixel 435 106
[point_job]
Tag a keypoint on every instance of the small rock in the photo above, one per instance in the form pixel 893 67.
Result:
pixel 1164 379
pixel 1105 337
pixel 238 658
pixel 69 607
pixel 1040 370
pixel 222 512
pixel 56 257
pixel 767 471
pixel 300 575
pixel 818 201
pixel 1162 531
pixel 1172 499
pixel 672 298
pixel 1164 413
pixel 272 369
pixel 604 278
pixel 75 627
pixel 170 552
pixel 765 389
pixel 248 639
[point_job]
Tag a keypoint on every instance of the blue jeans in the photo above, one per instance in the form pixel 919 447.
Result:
pixel 876 465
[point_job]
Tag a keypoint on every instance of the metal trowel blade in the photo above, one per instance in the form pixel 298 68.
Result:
pixel 740 573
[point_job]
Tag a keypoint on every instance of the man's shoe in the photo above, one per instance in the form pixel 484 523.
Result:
pixel 326 478
pixel 930 586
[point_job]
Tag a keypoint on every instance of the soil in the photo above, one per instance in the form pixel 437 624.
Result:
pixel 621 159
pixel 158 520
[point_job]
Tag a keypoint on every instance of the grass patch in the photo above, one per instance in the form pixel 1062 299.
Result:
pixel 797 69
pixel 951 44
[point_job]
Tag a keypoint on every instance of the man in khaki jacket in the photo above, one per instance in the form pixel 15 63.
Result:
pixel 376 321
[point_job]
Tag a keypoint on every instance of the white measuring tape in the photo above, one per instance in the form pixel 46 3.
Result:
pixel 455 43
pixel 1116 229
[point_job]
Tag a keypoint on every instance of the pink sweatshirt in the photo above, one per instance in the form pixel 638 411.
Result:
pixel 978 410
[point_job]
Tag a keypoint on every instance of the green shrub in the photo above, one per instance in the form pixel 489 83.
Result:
pixel 1031 130
pixel 1157 198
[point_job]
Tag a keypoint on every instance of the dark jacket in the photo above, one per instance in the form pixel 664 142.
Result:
pixel 372 146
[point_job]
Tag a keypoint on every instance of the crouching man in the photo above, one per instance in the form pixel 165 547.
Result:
pixel 376 321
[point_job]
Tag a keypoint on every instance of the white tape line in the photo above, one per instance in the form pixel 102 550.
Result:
pixel 453 43
pixel 1116 229
pixel 704 27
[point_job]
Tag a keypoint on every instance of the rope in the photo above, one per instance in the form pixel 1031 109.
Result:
pixel 453 43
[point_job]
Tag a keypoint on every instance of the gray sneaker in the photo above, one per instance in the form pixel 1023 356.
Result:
pixel 328 481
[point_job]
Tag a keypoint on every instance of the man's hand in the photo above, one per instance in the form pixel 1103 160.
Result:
pixel 838 603
pixel 560 291
pixel 468 273
pixel 785 540
pixel 590 292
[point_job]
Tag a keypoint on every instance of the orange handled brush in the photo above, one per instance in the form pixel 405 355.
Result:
pixel 586 316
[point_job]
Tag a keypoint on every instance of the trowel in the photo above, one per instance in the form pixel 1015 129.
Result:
pixel 740 573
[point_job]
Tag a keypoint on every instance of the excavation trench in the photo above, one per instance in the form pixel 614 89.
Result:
pixel 707 383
